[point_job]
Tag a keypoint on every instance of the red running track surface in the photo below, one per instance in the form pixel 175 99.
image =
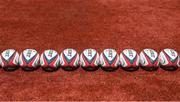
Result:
pixel 99 24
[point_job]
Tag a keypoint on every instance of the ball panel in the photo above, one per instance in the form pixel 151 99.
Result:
pixel 162 59
pixel 96 62
pixel 129 53
pixel 50 54
pixel 143 60
pixel 137 60
pixel 55 62
pixel 76 61
pixel 123 61
pixel 83 61
pixel 8 54
pixel 42 60
pixel 20 60
pixel 151 54
pixel 62 61
pixel 36 61
pixel 29 54
pixel 102 62
pixel 172 54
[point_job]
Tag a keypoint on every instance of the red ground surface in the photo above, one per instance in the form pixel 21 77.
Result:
pixel 119 24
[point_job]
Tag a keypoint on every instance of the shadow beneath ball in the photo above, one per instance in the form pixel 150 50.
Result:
pixel 109 69
pixel 169 68
pixel 50 69
pixel 130 69
pixel 150 69
pixel 10 69
pixel 29 69
pixel 90 69
pixel 70 68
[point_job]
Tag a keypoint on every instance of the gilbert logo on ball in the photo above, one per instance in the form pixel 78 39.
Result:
pixel 9 59
pixel 69 59
pixel 149 59
pixel 129 60
pixel 169 59
pixel 89 59
pixel 49 60
pixel 29 59
pixel 109 60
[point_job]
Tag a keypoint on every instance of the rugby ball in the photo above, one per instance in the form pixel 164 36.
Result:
pixel 69 59
pixel 109 60
pixel 129 60
pixel 9 59
pixel 169 59
pixel 89 59
pixel 149 59
pixel 49 60
pixel 29 59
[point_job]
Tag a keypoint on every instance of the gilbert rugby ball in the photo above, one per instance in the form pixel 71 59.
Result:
pixel 49 60
pixel 89 59
pixel 69 59
pixel 149 59
pixel 109 60
pixel 129 60
pixel 169 59
pixel 9 59
pixel 29 59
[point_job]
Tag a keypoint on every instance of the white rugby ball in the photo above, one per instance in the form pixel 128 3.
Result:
pixel 129 60
pixel 169 59
pixel 49 60
pixel 69 59
pixel 9 59
pixel 29 59
pixel 149 59
pixel 109 60
pixel 89 59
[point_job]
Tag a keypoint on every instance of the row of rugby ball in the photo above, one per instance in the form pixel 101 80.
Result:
pixel 90 60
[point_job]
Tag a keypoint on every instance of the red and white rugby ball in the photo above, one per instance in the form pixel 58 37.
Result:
pixel 9 59
pixel 169 59
pixel 149 59
pixel 49 60
pixel 69 59
pixel 109 60
pixel 29 59
pixel 129 60
pixel 89 59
